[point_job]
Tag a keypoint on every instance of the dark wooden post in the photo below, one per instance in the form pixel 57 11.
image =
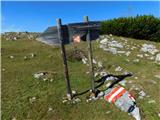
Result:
pixel 63 52
pixel 90 57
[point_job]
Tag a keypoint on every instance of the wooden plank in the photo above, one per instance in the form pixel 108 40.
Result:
pixel 50 35
pixel 90 57
pixel 63 52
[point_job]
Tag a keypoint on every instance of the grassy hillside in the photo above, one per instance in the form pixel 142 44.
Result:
pixel 27 98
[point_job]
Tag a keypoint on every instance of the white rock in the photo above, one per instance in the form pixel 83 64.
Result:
pixel 136 78
pixel 3 69
pixel 127 60
pixel 157 59
pixel 38 75
pixel 149 48
pixel 118 69
pixel 146 55
pixel 51 80
pixel 84 60
pixel 100 64
pixel 64 101
pixel 127 53
pixel 96 74
pixel 74 92
pixel 108 112
pixel 32 55
pixel 121 52
pixel 44 79
pixel 103 73
pixel 112 50
pixel 151 101
pixel 157 76
pixel 94 61
pixel 142 94
pixel 110 35
pixel 25 57
pixel 50 109
pixel 140 55
pixel 77 100
pixel 151 58
pixel 104 41
pixel 11 57
pixel 115 44
pixel 136 60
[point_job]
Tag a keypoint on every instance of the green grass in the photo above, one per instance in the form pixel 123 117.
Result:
pixel 19 85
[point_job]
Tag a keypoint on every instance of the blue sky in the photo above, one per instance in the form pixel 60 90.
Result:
pixel 37 16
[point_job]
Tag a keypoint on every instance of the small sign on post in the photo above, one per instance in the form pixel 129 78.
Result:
pixel 73 32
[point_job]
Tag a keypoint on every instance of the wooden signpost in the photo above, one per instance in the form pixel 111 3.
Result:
pixel 64 34
pixel 63 52
pixel 90 56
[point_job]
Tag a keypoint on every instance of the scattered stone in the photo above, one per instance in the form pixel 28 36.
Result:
pixel 157 76
pixel 50 109
pixel 157 59
pixel 115 44
pixel 110 35
pixel 118 69
pixel 96 74
pixel 136 78
pixel 152 82
pixel 11 57
pixel 142 94
pixel 94 61
pixel 149 48
pixel 71 101
pixel 140 55
pixel 77 100
pixel 130 81
pixel 44 79
pixel 64 101
pixel 158 114
pixel 103 73
pixel 146 55
pixel 121 52
pixel 39 74
pixel 112 50
pixel 151 58
pixel 74 92
pixel 136 60
pixel 151 101
pixel 108 112
pixel 25 57
pixel 104 41
pixel 127 53
pixel 100 64
pixel 127 60
pixel 32 55
pixel 84 60
pixel 51 80
pixel 18 35
pixel 3 69
pixel 33 99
